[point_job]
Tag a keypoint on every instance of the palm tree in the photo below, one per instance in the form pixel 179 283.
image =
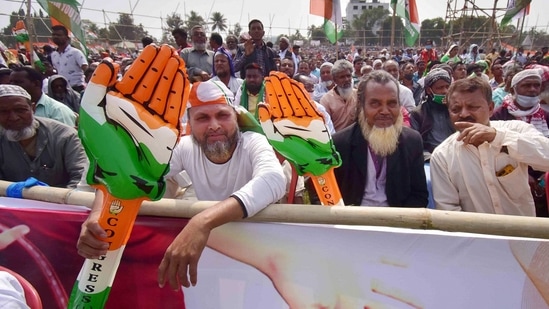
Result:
pixel 174 21
pixel 193 19
pixel 219 22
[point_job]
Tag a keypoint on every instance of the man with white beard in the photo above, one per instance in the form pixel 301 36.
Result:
pixel 198 59
pixel 382 159
pixel 326 81
pixel 340 102
pixel 34 146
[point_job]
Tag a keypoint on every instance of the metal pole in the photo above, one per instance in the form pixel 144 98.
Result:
pixel 31 32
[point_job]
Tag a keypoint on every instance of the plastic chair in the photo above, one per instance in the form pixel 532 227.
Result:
pixel 31 295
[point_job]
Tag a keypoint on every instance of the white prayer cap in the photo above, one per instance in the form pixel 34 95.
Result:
pixel 520 76
pixel 327 64
pixel 13 91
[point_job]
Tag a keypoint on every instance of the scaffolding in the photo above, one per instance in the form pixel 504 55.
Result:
pixel 463 10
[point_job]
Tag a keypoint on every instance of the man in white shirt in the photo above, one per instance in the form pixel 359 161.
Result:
pixel 240 170
pixel 405 95
pixel 67 60
pixel 484 166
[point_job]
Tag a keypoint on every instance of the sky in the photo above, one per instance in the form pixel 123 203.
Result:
pixel 278 16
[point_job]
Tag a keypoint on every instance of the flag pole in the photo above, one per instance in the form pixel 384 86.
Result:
pixel 393 28
pixel 336 42
pixel 519 42
pixel 30 30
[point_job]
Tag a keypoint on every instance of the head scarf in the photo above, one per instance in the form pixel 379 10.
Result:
pixel 544 71
pixel 520 76
pixel 224 52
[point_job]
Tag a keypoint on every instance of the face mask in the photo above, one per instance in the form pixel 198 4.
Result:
pixel 428 47
pixel 409 76
pixel 526 101
pixel 438 98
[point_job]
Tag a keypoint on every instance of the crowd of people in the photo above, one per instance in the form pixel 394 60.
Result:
pixel 414 128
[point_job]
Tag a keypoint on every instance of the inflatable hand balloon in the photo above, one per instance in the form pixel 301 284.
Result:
pixel 296 129
pixel 129 129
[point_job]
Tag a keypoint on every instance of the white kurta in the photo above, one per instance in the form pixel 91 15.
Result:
pixel 253 173
pixel 464 176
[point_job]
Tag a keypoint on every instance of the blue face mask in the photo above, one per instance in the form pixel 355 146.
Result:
pixel 428 47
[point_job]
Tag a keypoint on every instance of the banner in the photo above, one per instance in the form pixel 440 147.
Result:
pixel 269 265
pixel 330 10
pixel 515 9
pixel 407 10
pixel 66 13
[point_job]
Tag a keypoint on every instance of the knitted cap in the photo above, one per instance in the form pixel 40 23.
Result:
pixel 435 75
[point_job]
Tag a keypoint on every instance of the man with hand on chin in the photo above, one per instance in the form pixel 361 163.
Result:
pixel 326 81
pixel 484 166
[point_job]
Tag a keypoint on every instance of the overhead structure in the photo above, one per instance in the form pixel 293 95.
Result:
pixel 458 12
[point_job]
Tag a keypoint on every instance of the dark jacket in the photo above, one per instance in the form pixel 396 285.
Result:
pixel 405 185
pixel 242 61
pixel 421 120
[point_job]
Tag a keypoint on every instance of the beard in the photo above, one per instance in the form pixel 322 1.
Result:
pixel 327 83
pixel 218 151
pixel 23 134
pixel 382 141
pixel 199 46
pixel 347 92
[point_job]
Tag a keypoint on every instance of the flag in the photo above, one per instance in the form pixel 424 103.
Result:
pixel 407 10
pixel 66 13
pixel 331 11
pixel 515 9
pixel 22 36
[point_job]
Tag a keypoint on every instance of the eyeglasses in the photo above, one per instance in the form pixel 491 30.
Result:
pixel 199 34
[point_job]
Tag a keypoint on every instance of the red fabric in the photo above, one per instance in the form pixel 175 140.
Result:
pixel 428 55
pixel 47 258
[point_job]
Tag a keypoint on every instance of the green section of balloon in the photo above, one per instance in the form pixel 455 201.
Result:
pixel 308 156
pixel 247 121
pixel 82 300
pixel 127 170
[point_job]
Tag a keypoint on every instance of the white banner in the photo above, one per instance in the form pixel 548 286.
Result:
pixel 252 265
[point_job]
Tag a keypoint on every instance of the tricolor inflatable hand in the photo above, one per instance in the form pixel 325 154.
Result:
pixel 21 33
pixel 129 127
pixel 295 128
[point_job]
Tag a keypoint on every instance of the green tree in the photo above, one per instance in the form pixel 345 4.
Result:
pixel 193 19
pixel 174 21
pixel 317 33
pixel 219 22
pixel 237 29
pixel 433 29
pixel 367 26
pixel 296 36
